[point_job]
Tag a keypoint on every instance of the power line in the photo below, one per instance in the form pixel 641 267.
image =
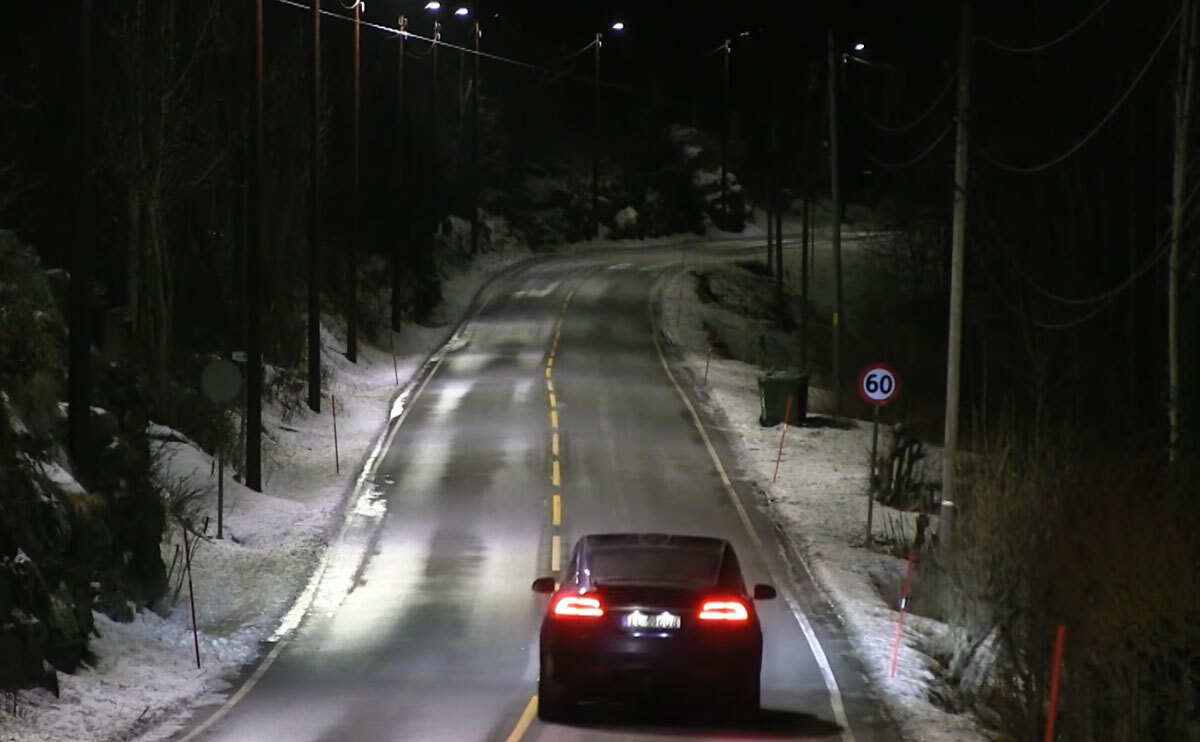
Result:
pixel 909 163
pixel 1161 248
pixel 551 72
pixel 410 35
pixel 573 54
pixel 1026 170
pixel 1048 44
pixel 916 122
pixel 1006 300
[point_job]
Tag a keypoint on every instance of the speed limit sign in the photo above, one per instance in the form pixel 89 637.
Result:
pixel 878 384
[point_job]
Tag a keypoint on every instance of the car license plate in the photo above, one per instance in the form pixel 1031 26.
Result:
pixel 664 621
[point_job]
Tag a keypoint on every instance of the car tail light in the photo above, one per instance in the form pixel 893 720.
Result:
pixel 583 606
pixel 724 610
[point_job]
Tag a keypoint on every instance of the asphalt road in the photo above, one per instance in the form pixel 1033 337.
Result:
pixel 550 416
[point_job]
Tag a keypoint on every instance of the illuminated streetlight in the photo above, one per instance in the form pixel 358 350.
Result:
pixel 618 26
pixel 462 12
pixel 433 6
pixel 859 47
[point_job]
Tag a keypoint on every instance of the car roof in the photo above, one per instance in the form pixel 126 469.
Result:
pixel 665 540
pixel 698 551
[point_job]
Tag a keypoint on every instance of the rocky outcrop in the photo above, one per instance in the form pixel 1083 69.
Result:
pixel 66 549
pixel 704 169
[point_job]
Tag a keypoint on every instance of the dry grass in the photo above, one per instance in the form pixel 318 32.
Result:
pixel 1053 530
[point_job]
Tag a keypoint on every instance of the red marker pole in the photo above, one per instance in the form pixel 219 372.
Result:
pixel 395 368
pixel 912 557
pixel 187 556
pixel 337 466
pixel 1059 643
pixel 707 361
pixel 787 416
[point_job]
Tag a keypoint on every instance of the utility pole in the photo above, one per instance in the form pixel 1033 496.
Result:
pixel 355 207
pixel 399 162
pixel 957 250
pixel 433 116
pixel 774 213
pixel 767 190
pixel 1184 75
pixel 804 248
pixel 314 221
pixel 253 266
pixel 79 307
pixel 779 206
pixel 776 176
pixel 596 139
pixel 725 139
pixel 835 188
pixel 475 147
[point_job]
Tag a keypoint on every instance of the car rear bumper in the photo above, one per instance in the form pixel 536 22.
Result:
pixel 619 666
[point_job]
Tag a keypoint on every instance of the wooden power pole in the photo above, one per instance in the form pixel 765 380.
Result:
pixel 958 248
pixel 254 246
pixel 314 220
pixel 836 194
pixel 1185 72
pixel 79 379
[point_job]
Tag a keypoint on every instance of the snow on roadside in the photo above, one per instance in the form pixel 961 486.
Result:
pixel 145 671
pixel 819 499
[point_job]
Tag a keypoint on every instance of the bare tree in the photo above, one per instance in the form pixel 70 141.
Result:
pixel 149 141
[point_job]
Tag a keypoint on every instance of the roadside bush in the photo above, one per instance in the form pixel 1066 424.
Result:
pixel 1054 529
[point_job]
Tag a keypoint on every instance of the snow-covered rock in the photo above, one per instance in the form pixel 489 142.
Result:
pixel 626 223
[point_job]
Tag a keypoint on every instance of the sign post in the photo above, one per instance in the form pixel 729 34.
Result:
pixel 878 385
pixel 221 382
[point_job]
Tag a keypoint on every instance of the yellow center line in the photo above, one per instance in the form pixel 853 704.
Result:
pixel 554 446
pixel 555 552
pixel 556 510
pixel 525 721
pixel 550 361
pixel 556 476
pixel 549 385
pixel 553 400
pixel 554 419
pixel 547 372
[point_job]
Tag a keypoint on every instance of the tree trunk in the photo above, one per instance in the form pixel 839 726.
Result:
pixel 1183 113
pixel 133 272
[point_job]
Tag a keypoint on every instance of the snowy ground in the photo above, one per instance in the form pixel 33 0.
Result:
pixel 820 500
pixel 245 583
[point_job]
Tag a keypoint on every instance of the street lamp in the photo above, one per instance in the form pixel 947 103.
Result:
pixel 433 7
pixel 475 175
pixel 728 47
pixel 400 162
pixel 355 209
pixel 314 220
pixel 617 26
pixel 463 12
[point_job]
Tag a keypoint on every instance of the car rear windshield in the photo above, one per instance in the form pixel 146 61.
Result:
pixel 639 564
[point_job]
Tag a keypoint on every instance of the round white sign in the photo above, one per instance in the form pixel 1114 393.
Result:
pixel 878 384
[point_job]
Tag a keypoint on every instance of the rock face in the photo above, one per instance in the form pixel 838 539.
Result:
pixel 704 167
pixel 64 548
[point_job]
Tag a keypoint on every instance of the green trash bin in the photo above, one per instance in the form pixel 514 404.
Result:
pixel 774 388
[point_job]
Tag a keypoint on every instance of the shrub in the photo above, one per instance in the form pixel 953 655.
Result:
pixel 1053 529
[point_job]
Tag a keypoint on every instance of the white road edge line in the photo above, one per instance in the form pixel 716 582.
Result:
pixel 299 609
pixel 835 694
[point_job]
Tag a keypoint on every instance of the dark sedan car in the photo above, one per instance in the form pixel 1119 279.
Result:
pixel 651 614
